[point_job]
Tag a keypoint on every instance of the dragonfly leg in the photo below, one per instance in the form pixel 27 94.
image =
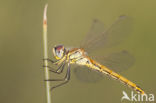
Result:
pixel 50 60
pixel 65 79
pixel 58 70
pixel 58 62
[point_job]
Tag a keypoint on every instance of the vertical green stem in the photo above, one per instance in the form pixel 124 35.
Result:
pixel 47 83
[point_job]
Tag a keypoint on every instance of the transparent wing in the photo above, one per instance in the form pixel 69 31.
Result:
pixel 95 31
pixel 117 62
pixel 97 38
pixel 88 75
pixel 100 38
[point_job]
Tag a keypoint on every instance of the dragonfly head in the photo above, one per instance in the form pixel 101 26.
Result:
pixel 59 51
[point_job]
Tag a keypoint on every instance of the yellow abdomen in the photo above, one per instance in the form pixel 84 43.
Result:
pixel 116 76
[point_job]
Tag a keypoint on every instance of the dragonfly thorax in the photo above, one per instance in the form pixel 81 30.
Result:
pixel 78 56
pixel 75 54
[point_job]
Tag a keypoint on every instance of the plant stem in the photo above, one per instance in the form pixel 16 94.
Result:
pixel 47 83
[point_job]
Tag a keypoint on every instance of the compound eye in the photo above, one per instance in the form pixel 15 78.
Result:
pixel 58 48
pixel 59 51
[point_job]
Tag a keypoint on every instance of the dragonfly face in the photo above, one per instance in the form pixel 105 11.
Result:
pixel 59 51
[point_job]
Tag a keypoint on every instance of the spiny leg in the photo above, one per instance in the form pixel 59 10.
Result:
pixel 59 70
pixel 58 62
pixel 65 79
pixel 50 60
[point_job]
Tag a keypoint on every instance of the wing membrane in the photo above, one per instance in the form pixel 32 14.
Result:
pixel 99 38
pixel 117 62
pixel 88 75
pixel 115 34
pixel 95 31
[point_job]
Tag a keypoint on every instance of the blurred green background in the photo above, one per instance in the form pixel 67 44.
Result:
pixel 21 50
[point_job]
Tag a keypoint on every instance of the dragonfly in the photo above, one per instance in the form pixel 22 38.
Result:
pixel 97 38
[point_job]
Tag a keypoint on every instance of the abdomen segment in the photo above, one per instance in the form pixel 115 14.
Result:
pixel 116 76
